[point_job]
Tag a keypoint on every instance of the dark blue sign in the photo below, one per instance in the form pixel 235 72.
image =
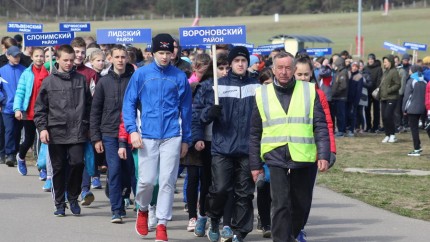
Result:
pixel 48 39
pixel 204 47
pixel 250 47
pixel 319 51
pixel 393 47
pixel 212 35
pixel 262 50
pixel 75 27
pixel 123 36
pixel 415 46
pixel 273 46
pixel 24 27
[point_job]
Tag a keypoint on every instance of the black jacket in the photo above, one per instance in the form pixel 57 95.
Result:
pixel 107 104
pixel 280 157
pixel 230 132
pixel 63 107
pixel 375 71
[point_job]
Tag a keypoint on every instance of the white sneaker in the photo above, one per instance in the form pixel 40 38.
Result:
pixel 385 140
pixel 392 139
pixel 152 218
pixel 191 225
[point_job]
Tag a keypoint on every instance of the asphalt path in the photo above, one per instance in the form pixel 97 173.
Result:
pixel 27 215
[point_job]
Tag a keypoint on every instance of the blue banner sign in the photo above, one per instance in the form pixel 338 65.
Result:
pixel 75 27
pixel 262 50
pixel 24 27
pixel 250 47
pixel 212 35
pixel 415 46
pixel 273 46
pixel 319 51
pixel 123 36
pixel 393 47
pixel 204 47
pixel 48 38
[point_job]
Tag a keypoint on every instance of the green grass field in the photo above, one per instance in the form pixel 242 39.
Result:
pixel 409 25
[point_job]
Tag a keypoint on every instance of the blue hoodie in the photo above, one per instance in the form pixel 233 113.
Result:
pixel 165 98
pixel 9 77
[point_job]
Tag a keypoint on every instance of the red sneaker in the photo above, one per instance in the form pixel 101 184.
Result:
pixel 161 233
pixel 142 223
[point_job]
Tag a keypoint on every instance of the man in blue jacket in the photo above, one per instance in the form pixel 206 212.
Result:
pixel 230 135
pixel 164 95
pixel 9 77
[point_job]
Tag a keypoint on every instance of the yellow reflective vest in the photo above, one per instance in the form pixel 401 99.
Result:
pixel 294 128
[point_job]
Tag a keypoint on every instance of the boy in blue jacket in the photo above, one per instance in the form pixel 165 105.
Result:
pixel 9 77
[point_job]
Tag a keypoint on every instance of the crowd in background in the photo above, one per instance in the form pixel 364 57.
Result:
pixel 358 95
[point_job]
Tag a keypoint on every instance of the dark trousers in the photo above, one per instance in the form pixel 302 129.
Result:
pixel 413 124
pixel 332 108
pixel 206 176
pixel 230 173
pixel 30 133
pixel 351 112
pixel 388 108
pixel 339 113
pixel 361 118
pixel 264 202
pixel 120 173
pixel 2 133
pixel 12 133
pixel 86 178
pixel 70 156
pixel 400 119
pixel 291 191
pixel 376 113
pixel 194 179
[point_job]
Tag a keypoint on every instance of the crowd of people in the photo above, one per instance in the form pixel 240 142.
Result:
pixel 142 116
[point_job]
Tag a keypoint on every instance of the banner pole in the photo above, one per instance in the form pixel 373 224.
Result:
pixel 214 66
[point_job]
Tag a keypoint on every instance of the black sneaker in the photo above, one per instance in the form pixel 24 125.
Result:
pixel 60 212
pixel 10 161
pixel 75 208
pixel 267 233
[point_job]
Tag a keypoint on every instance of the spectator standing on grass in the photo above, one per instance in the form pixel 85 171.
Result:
pixel 389 94
pixel 104 126
pixel 373 113
pixel 7 42
pixel 403 70
pixel 426 68
pixel 364 100
pixel 355 87
pixel 62 113
pixel 414 105
pixel 25 99
pixel 9 78
pixel 340 95
pixel 230 134
pixel 164 95
pixel 292 163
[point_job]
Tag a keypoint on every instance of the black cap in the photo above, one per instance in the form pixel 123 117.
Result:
pixel 162 42
pixel 238 51
pixel 371 56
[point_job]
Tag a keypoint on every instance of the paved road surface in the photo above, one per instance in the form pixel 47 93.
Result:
pixel 27 215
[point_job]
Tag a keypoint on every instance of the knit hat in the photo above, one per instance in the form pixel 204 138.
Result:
pixel 162 42
pixel 406 56
pixel 238 51
pixel 371 56
pixel 416 68
pixel 355 63
pixel 253 59
pixel 13 51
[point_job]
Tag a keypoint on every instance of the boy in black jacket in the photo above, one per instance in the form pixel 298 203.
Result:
pixel 62 113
